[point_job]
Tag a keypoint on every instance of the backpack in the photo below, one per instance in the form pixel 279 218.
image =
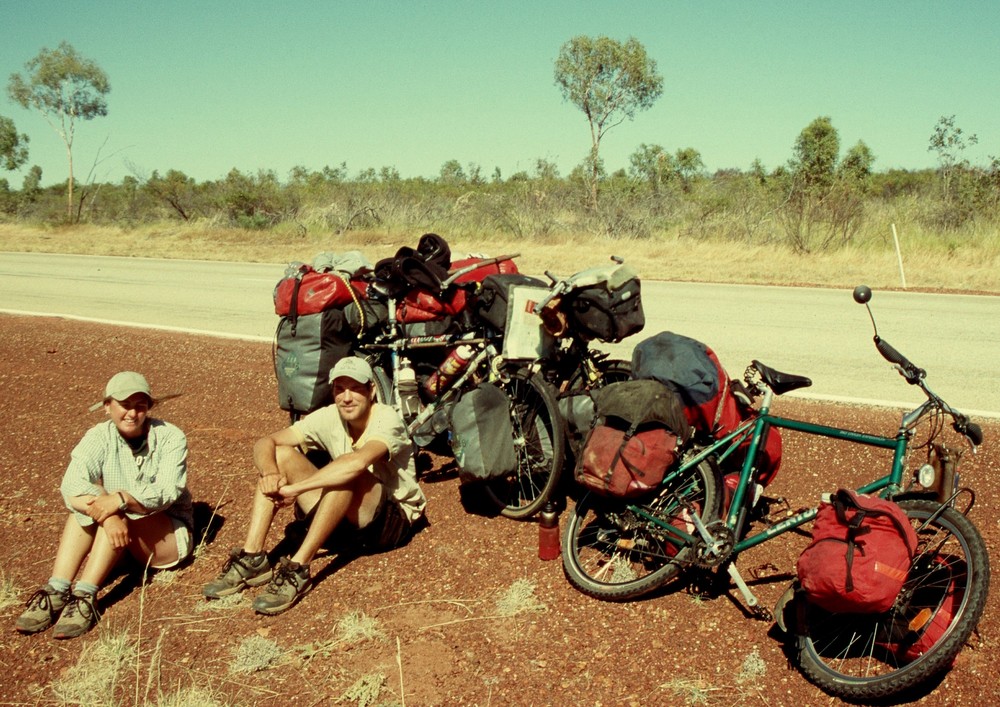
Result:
pixel 694 371
pixel 306 347
pixel 482 436
pixel 638 428
pixel 859 556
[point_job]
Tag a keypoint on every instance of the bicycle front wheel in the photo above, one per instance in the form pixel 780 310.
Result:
pixel 870 656
pixel 539 442
pixel 617 550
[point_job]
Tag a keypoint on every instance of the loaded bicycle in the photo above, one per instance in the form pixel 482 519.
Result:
pixel 620 549
pixel 424 374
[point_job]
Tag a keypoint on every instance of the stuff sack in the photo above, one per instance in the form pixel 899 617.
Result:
pixel 424 313
pixel 694 371
pixel 638 428
pixel 494 294
pixel 482 435
pixel 305 349
pixel 859 556
pixel 476 272
pixel 610 315
pixel 307 292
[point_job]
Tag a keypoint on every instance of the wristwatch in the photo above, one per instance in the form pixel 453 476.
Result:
pixel 124 504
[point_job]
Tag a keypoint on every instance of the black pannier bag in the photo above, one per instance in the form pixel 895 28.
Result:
pixel 494 293
pixel 306 347
pixel 482 435
pixel 608 315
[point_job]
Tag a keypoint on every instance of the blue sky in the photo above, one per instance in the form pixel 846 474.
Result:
pixel 205 87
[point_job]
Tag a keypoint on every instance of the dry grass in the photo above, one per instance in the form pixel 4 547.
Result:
pixel 931 261
pixel 254 654
pixel 10 595
pixel 92 680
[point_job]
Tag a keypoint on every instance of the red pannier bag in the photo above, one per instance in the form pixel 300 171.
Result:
pixel 930 612
pixel 860 554
pixel 636 436
pixel 312 292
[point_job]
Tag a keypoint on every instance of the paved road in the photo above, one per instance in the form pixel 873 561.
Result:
pixel 816 332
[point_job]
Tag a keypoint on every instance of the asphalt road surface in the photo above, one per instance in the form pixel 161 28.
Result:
pixel 821 333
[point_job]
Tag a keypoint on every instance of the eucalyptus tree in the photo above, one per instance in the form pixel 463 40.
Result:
pixel 64 87
pixel 13 146
pixel 609 81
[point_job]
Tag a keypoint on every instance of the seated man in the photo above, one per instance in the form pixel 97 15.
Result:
pixel 126 488
pixel 370 485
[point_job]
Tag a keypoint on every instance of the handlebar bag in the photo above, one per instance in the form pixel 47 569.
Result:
pixel 491 301
pixel 860 554
pixel 638 429
pixel 607 314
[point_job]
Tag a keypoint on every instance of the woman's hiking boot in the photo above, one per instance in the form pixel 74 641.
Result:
pixel 43 608
pixel 290 582
pixel 79 616
pixel 240 571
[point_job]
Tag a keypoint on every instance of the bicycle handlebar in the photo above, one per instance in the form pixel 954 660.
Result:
pixel 910 372
pixel 914 375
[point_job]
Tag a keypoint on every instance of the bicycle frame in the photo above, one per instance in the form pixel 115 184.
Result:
pixel 398 344
pixel 756 429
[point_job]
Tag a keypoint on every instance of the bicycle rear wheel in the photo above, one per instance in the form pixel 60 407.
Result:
pixel 614 552
pixel 539 442
pixel 873 656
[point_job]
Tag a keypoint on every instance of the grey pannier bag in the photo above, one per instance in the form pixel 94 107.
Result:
pixel 482 436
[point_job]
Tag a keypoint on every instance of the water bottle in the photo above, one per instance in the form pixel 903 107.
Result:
pixel 548 533
pixel 449 368
pixel 406 384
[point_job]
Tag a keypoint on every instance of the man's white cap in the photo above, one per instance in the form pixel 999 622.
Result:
pixel 354 368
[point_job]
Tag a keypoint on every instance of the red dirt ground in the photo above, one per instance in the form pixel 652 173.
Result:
pixel 444 639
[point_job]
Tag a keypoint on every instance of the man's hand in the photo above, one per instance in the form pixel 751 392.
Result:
pixel 116 528
pixel 269 484
pixel 102 507
pixel 288 493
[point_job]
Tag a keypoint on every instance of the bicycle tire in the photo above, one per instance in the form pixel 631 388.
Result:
pixel 540 444
pixel 612 553
pixel 383 387
pixel 864 657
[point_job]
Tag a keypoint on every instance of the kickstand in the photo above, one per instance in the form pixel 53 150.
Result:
pixel 751 601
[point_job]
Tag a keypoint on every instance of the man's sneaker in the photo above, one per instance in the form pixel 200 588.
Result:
pixel 79 616
pixel 290 581
pixel 43 608
pixel 240 571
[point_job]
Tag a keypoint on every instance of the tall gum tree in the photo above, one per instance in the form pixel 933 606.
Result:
pixel 609 81
pixel 13 146
pixel 64 87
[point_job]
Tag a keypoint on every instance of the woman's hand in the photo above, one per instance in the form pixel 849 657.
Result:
pixel 116 528
pixel 100 508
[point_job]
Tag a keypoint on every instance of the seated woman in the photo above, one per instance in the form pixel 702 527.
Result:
pixel 126 488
